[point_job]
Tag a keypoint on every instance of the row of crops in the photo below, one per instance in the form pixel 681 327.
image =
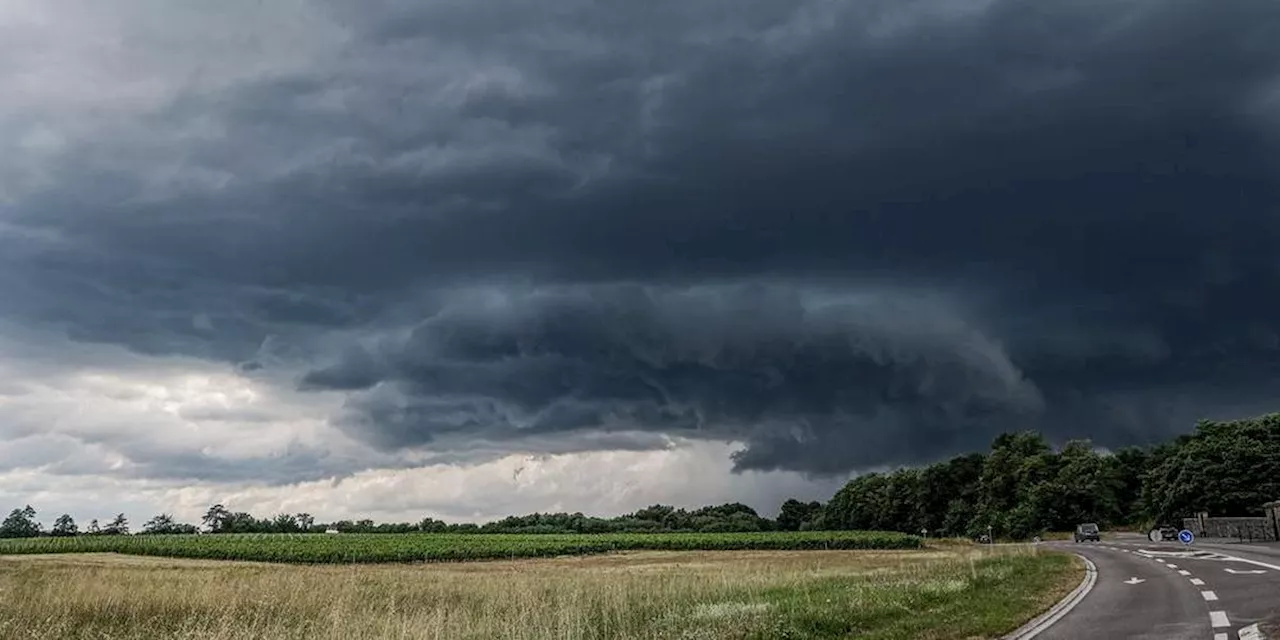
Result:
pixel 439 547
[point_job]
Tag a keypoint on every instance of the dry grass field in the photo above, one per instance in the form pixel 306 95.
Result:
pixel 946 593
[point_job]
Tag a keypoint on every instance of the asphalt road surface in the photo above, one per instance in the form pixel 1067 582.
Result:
pixel 1168 591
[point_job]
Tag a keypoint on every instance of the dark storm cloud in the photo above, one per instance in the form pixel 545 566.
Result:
pixel 794 373
pixel 1093 183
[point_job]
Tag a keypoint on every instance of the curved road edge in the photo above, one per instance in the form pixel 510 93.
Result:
pixel 1064 606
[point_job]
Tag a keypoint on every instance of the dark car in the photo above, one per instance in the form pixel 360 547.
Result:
pixel 1088 531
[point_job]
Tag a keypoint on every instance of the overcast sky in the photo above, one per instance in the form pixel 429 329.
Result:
pixel 466 258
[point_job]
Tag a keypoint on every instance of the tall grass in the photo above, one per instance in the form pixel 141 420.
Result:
pixel 885 595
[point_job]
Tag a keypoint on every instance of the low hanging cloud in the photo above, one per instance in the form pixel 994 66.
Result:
pixel 796 374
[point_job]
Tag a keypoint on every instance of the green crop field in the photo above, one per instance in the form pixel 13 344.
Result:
pixel 436 547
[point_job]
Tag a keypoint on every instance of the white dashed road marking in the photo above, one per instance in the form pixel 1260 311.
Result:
pixel 1219 619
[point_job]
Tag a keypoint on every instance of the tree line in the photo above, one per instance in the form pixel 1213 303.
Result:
pixel 1019 488
pixel 1022 487
pixel 218 519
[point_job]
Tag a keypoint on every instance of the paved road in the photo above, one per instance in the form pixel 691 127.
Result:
pixel 1172 592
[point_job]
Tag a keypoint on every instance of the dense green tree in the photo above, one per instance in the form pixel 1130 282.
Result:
pixel 1089 488
pixel 165 524
pixel 1016 463
pixel 1023 487
pixel 952 497
pixel 901 505
pixel 162 523
pixel 240 522
pixel 21 523
pixel 305 521
pixel 1224 468
pixel 431 525
pixel 1129 466
pixel 64 525
pixel 961 519
pixel 215 518
pixel 857 504
pixel 118 526
pixel 938 487
pixel 285 523
pixel 794 515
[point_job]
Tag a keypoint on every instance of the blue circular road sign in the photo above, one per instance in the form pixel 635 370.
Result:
pixel 1186 536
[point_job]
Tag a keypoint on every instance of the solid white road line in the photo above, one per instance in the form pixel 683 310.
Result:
pixel 1209 596
pixel 1219 619
pixel 1038 625
pixel 1252 562
pixel 1197 582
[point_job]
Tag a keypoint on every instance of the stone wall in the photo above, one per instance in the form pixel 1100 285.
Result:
pixel 1246 528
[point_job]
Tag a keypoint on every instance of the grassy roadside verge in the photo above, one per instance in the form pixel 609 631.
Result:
pixel 950 594
pixel 996 593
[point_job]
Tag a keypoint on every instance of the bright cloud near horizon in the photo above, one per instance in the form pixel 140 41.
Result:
pixel 467 259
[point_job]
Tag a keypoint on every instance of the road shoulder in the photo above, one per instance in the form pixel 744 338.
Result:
pixel 1063 606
